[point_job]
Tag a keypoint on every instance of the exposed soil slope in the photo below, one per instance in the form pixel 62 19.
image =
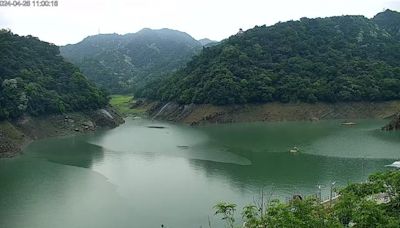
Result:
pixel 206 113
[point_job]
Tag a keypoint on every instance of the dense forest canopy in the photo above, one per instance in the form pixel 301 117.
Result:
pixel 390 21
pixel 343 58
pixel 121 63
pixel 35 79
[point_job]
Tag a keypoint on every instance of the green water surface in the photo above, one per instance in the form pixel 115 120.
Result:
pixel 135 176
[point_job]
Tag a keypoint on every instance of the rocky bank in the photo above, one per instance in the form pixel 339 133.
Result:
pixel 394 124
pixel 195 114
pixel 16 134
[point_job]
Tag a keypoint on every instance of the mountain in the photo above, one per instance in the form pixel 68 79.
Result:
pixel 35 79
pixel 120 63
pixel 390 21
pixel 207 42
pixel 344 58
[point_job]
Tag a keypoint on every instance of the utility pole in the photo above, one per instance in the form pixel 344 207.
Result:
pixel 319 193
pixel 262 201
pixel 331 195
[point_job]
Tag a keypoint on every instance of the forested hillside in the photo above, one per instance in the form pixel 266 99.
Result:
pixel 390 21
pixel 344 58
pixel 121 63
pixel 207 42
pixel 35 79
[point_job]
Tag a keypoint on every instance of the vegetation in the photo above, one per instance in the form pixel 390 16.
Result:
pixel 359 205
pixel 35 79
pixel 346 58
pixel 390 21
pixel 124 105
pixel 121 63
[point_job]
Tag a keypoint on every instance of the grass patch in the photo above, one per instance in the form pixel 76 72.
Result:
pixel 123 105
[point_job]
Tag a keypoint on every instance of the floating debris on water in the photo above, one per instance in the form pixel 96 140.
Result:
pixel 348 123
pixel 157 127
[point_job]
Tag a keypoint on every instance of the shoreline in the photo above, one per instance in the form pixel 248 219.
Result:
pixel 199 114
pixel 16 135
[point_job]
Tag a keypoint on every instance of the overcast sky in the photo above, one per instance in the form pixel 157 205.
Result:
pixel 73 20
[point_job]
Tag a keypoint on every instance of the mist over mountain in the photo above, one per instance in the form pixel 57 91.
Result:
pixel 343 58
pixel 120 63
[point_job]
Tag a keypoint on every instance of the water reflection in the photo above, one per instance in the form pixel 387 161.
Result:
pixel 253 155
pixel 135 176
pixel 74 151
pixel 36 193
pixel 288 173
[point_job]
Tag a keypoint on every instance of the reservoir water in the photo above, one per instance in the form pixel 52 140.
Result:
pixel 141 176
